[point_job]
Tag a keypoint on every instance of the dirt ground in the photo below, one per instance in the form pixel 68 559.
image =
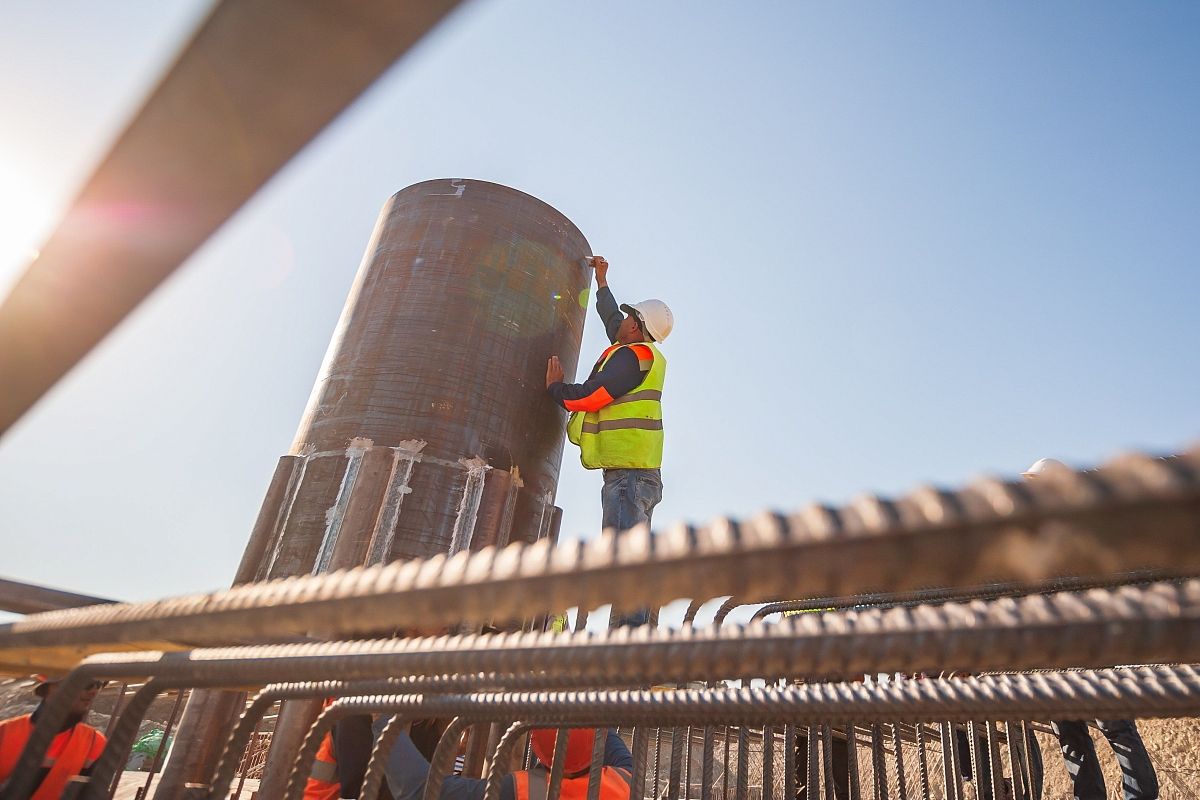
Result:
pixel 1174 747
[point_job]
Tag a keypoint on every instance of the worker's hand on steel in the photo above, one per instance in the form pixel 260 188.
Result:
pixel 554 371
pixel 601 267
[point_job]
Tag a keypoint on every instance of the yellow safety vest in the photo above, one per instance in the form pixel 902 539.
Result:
pixel 628 432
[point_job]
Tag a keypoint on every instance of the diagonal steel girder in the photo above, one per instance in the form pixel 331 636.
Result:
pixel 259 80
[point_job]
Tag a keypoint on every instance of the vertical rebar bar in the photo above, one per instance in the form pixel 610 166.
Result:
pixel 657 769
pixel 973 757
pixel 923 763
pixel 743 762
pixel 898 746
pixel 598 746
pixel 812 760
pixel 706 775
pixel 444 755
pixel 156 763
pixel 879 762
pixel 377 762
pixel 1015 745
pixel 501 758
pixel 768 761
pixel 789 761
pixel 829 780
pixel 996 767
pixel 558 765
pixel 637 783
pixel 854 787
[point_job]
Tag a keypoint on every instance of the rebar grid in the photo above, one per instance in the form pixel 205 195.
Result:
pixel 1135 513
pixel 1080 690
pixel 1160 623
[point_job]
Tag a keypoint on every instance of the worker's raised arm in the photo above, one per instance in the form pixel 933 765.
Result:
pixel 606 304
pixel 620 375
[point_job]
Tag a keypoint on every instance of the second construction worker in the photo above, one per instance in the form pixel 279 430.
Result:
pixel 73 751
pixel 616 414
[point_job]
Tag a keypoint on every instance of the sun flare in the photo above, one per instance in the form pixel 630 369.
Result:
pixel 26 215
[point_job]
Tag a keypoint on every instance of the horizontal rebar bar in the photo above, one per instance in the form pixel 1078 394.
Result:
pixel 1159 623
pixel 1144 692
pixel 1135 513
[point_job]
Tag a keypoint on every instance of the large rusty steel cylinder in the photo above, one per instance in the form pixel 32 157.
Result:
pixel 429 418
pixel 429 429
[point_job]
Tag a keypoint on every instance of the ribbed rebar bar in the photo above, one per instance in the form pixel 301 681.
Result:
pixel 502 758
pixel 768 761
pixel 812 759
pixel 706 771
pixel 789 760
pixel 558 764
pixel 853 789
pixel 959 594
pixel 1135 513
pixel 898 746
pixel 1013 737
pixel 878 762
pixel 827 760
pixel 377 762
pixel 442 763
pixel 992 741
pixel 637 784
pixel 922 763
pixel 1160 622
pixel 240 736
pixel 597 764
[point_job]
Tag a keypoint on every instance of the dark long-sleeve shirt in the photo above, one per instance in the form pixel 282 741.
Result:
pixel 407 771
pixel 620 375
pixel 352 743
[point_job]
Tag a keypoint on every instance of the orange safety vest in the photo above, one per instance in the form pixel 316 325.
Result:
pixel 323 781
pixel 534 785
pixel 70 753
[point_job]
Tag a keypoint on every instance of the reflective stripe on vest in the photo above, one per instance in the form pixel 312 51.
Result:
pixel 323 781
pixel 628 432
pixel 535 785
pixel 69 753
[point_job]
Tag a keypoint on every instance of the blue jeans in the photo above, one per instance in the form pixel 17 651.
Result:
pixel 628 498
pixel 1139 779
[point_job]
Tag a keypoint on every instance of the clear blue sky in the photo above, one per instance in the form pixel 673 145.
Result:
pixel 904 243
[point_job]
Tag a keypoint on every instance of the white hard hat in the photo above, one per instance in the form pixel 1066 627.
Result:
pixel 655 315
pixel 1043 465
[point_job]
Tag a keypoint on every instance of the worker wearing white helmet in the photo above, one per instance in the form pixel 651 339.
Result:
pixel 616 414
pixel 1139 781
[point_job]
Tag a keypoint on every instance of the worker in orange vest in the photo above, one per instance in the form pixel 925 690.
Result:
pixel 72 752
pixel 407 770
pixel 341 762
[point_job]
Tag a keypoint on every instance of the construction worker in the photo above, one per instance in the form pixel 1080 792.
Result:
pixel 616 414
pixel 341 762
pixel 73 751
pixel 407 770
pixel 1139 780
